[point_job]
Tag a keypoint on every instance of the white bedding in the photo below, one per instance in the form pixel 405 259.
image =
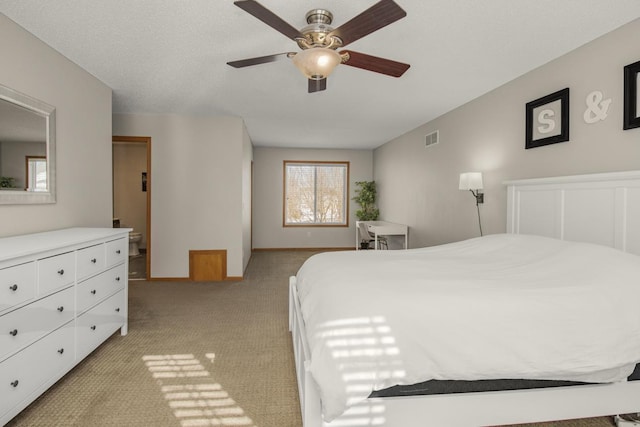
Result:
pixel 495 307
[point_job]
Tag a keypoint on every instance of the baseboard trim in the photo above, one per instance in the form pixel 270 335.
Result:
pixel 348 248
pixel 187 279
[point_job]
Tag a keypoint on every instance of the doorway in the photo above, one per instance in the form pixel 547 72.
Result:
pixel 131 167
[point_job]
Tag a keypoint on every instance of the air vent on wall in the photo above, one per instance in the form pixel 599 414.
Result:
pixel 431 139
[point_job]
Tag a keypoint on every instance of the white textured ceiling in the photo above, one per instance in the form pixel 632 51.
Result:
pixel 169 56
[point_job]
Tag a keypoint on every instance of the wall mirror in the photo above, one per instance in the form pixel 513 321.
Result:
pixel 27 149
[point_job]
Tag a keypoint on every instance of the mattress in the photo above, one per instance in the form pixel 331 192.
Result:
pixel 456 386
pixel 500 306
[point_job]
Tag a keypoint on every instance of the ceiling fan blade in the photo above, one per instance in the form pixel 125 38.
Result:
pixel 271 19
pixel 317 85
pixel 259 60
pixel 375 64
pixel 377 16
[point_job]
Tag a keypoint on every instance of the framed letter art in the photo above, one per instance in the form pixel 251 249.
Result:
pixel 631 96
pixel 547 119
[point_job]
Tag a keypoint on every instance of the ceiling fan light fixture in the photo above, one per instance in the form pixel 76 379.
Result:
pixel 317 63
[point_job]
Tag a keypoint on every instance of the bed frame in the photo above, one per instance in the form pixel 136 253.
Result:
pixel 598 208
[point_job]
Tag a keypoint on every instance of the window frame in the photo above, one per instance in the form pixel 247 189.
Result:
pixel 315 163
pixel 31 173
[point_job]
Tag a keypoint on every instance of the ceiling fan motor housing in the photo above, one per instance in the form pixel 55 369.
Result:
pixel 315 34
pixel 319 16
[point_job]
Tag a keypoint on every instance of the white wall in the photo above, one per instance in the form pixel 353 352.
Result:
pixel 418 186
pixel 197 193
pixel 83 134
pixel 247 171
pixel 268 231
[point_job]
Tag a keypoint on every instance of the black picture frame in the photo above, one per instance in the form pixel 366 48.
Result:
pixel 631 113
pixel 532 140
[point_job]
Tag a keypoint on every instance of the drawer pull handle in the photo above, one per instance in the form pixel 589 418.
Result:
pixel 93 260
pixel 13 333
pixel 118 251
pixel 15 383
pixel 61 271
pixel 13 287
pixel 61 309
pixel 93 327
pixel 61 351
pixel 93 291
pixel 118 279
pixel 118 310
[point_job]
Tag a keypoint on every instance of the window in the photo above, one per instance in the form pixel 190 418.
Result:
pixel 315 193
pixel 36 173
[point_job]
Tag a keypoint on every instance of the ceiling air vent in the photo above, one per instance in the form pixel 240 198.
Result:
pixel 431 139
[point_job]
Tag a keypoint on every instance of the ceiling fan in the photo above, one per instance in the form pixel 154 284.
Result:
pixel 319 41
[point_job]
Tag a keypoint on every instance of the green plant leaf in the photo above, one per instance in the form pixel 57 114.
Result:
pixel 366 198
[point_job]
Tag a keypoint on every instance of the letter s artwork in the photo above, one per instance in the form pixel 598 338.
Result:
pixel 545 119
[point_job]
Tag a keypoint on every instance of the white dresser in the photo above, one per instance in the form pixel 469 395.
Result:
pixel 62 293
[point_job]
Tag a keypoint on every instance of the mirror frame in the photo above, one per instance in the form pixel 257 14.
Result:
pixel 21 197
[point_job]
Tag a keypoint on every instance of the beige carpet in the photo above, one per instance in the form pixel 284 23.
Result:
pixel 197 354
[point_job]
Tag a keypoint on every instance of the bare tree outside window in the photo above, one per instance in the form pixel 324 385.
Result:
pixel 315 193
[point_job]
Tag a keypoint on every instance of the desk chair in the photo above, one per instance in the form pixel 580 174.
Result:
pixel 365 236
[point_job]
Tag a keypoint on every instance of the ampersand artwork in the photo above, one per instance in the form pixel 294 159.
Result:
pixel 597 108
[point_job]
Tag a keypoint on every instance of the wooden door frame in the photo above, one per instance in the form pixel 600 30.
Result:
pixel 251 209
pixel 146 140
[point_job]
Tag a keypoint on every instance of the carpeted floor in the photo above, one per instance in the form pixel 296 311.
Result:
pixel 138 266
pixel 197 354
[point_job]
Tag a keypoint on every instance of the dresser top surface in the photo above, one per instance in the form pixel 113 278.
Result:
pixel 30 244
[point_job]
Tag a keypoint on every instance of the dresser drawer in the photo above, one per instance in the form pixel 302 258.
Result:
pixel 17 285
pixel 116 251
pixel 56 272
pixel 30 369
pixel 97 324
pixel 90 261
pixel 27 324
pixel 93 290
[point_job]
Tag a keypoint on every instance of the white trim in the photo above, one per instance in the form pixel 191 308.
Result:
pixel 595 177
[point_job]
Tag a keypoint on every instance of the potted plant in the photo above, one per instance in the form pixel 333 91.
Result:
pixel 366 198
pixel 6 182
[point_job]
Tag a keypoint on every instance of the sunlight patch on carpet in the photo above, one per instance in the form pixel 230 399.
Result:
pixel 194 403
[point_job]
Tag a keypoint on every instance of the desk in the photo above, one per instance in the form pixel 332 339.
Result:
pixel 383 228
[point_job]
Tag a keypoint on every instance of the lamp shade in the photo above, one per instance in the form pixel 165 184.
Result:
pixel 317 63
pixel 471 181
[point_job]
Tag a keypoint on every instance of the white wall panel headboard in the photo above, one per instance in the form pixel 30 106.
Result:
pixel 601 208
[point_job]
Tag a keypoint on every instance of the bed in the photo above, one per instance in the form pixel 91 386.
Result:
pixel 343 351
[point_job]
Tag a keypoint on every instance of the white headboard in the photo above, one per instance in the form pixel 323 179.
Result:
pixel 601 208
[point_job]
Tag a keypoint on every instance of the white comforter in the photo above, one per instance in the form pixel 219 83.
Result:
pixel 499 306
